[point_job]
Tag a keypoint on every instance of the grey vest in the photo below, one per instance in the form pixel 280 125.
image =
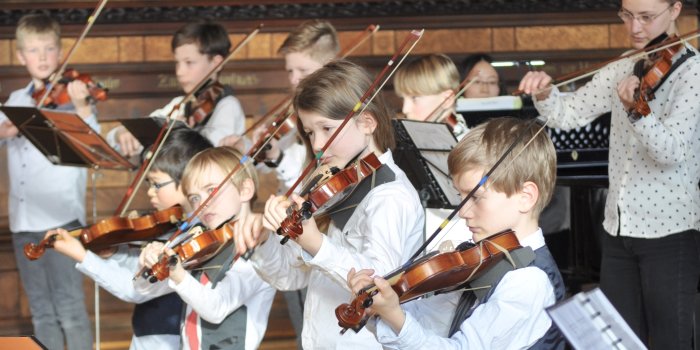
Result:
pixel 230 333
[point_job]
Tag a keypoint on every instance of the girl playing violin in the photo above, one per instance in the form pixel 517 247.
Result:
pixel 650 259
pixel 382 229
pixel 197 48
pixel 227 304
pixel 155 321
pixel 44 195
pixel 509 313
pixel 427 86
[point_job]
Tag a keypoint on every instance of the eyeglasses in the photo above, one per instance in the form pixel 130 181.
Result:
pixel 158 186
pixel 628 17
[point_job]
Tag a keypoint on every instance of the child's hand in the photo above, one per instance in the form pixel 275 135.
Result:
pixel 128 144
pixel 274 151
pixel 385 303
pixel 177 272
pixel 67 244
pixel 78 92
pixel 312 238
pixel 275 212
pixel 150 254
pixel 234 141
pixel 248 232
pixel 7 130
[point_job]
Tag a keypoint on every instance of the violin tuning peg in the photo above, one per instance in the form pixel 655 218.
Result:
pixel 284 240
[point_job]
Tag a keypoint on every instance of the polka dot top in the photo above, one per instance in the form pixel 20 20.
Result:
pixel 654 163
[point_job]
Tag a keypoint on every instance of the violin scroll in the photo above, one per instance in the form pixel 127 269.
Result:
pixel 352 315
pixel 35 251
pixel 291 225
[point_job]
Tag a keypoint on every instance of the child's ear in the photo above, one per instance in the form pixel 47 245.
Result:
pixel 528 196
pixel 20 57
pixel 247 190
pixel 366 123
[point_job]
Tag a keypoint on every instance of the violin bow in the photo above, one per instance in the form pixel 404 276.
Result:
pixel 56 76
pixel 584 73
pixel 283 106
pixel 167 127
pixel 463 86
pixel 413 38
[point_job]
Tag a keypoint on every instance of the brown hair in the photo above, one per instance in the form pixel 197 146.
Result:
pixel 37 24
pixel 226 158
pixel 427 75
pixel 211 38
pixel 315 37
pixel 534 159
pixel 333 91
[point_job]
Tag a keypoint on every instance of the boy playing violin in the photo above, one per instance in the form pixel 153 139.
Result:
pixel 197 48
pixel 650 261
pixel 155 321
pixel 227 304
pixel 378 229
pixel 510 313
pixel 428 84
pixel 44 196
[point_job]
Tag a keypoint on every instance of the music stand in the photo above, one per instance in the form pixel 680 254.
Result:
pixel 65 139
pixel 146 129
pixel 421 152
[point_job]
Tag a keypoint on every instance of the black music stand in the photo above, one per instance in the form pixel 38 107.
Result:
pixel 146 129
pixel 65 139
pixel 421 152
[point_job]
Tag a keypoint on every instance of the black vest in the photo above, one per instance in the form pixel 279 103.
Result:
pixel 157 316
pixel 552 339
pixel 230 333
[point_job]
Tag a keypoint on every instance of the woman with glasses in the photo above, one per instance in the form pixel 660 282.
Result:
pixel 650 261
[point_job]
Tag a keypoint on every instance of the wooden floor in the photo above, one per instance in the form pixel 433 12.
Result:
pixel 115 327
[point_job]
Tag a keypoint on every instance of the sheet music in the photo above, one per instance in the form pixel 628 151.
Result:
pixel 589 321
pixel 430 136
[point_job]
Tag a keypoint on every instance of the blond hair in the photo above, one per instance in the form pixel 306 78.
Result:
pixel 316 38
pixel 427 75
pixel 226 158
pixel 485 144
pixel 333 91
pixel 37 24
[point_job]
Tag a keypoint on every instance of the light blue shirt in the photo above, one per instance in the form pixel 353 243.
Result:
pixel 42 195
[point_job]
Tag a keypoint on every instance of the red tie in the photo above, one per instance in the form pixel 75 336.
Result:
pixel 191 321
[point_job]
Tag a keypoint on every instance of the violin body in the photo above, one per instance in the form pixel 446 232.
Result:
pixel 193 252
pixel 205 101
pixel 656 71
pixel 328 193
pixel 116 230
pixel 434 273
pixel 58 95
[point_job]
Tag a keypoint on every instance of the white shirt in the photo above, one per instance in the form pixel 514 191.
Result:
pixel 115 274
pixel 654 168
pixel 382 233
pixel 226 119
pixel 42 195
pixel 514 317
pixel 241 286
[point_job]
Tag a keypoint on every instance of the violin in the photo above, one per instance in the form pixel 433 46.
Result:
pixel 58 95
pixel 434 273
pixel 327 192
pixel 116 230
pixel 206 98
pixel 194 251
pixel 284 124
pixel 653 72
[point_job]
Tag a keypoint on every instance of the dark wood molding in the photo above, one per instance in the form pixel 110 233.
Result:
pixel 163 17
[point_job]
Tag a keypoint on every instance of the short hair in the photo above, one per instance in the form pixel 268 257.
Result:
pixel 534 159
pixel 315 37
pixel 471 61
pixel 37 24
pixel 211 38
pixel 427 75
pixel 333 91
pixel 178 148
pixel 226 158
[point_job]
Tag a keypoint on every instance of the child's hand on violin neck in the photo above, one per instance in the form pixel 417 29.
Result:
pixel 150 254
pixel 248 232
pixel 275 212
pixel 626 90
pixel 67 245
pixel 385 302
